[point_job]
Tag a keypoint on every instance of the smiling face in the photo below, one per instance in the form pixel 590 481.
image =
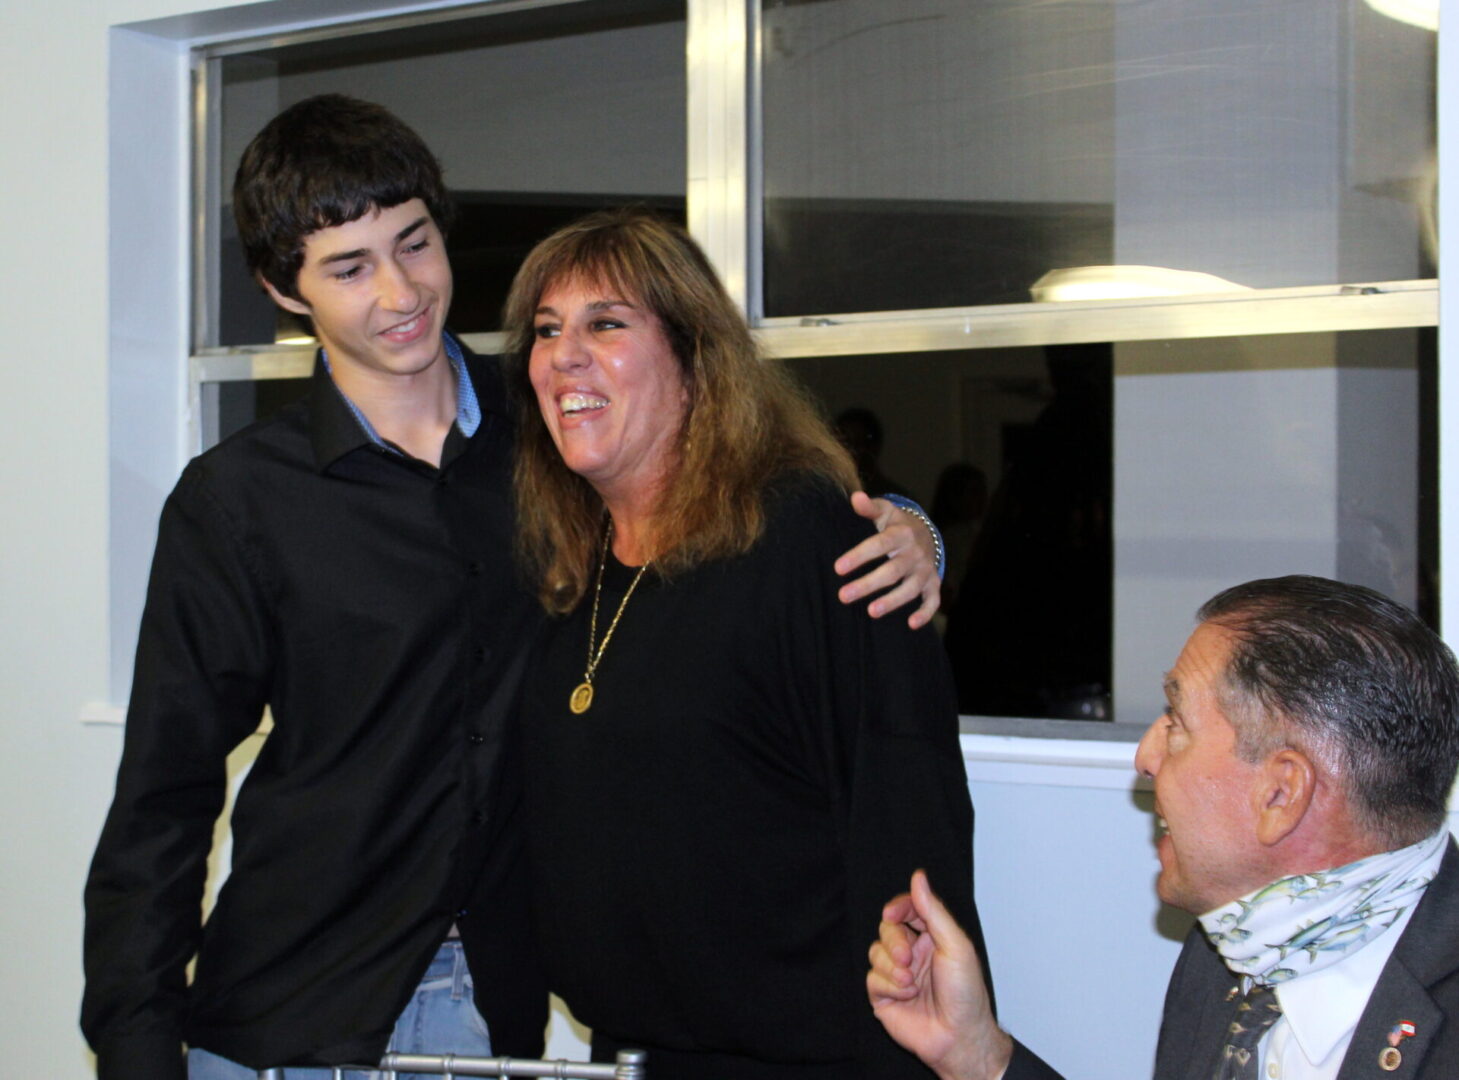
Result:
pixel 378 289
pixel 1207 797
pixel 611 391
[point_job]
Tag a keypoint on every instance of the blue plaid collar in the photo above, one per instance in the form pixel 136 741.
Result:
pixel 468 408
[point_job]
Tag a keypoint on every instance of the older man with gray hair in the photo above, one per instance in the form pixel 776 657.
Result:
pixel 1301 772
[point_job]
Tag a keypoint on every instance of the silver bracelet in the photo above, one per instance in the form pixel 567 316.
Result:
pixel 921 515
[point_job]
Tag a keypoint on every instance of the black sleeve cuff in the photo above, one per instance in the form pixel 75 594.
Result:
pixel 1026 1065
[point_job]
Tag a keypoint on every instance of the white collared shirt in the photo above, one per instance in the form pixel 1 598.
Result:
pixel 1321 1011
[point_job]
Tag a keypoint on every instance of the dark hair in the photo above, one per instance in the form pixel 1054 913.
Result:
pixel 1355 680
pixel 327 161
pixel 748 420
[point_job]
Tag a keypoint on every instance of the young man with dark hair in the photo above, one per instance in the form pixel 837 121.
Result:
pixel 345 563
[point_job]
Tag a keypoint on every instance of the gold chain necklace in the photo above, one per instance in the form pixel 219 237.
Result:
pixel 582 696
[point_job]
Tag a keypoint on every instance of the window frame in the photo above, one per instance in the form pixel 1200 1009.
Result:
pixel 724 211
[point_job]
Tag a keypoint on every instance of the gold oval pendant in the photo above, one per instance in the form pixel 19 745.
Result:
pixel 581 698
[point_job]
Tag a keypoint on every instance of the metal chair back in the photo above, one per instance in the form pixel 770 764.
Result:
pixel 628 1066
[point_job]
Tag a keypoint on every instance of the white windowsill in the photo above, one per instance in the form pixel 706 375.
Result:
pixel 1054 753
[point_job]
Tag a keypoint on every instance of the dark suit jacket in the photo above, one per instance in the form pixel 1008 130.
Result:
pixel 1420 983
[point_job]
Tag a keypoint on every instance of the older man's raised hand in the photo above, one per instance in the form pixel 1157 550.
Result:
pixel 926 987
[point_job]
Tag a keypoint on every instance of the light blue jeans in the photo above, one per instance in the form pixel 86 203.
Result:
pixel 441 1018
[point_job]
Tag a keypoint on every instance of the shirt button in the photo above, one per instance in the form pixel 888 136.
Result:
pixel 476 738
pixel 1273 1070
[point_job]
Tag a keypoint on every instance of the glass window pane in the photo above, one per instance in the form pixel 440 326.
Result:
pixel 1093 496
pixel 944 153
pixel 538 117
pixel 239 404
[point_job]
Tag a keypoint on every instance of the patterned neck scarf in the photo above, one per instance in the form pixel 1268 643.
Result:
pixel 1307 922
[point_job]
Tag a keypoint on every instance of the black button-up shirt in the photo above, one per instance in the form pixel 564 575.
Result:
pixel 369 599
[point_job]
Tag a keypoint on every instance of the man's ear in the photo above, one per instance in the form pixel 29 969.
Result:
pixel 1287 784
pixel 288 303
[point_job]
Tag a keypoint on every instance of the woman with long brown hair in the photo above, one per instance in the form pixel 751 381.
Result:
pixel 727 770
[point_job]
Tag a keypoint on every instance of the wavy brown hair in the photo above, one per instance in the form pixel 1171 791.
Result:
pixel 748 421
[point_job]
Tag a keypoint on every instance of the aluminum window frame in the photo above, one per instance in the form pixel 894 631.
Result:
pixel 723 191
pixel 724 213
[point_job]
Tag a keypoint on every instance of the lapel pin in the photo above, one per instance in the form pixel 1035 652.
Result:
pixel 1390 1058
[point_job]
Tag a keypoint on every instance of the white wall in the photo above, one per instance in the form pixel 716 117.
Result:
pixel 55 773
pixel 54 776
pixel 1080 947
pixel 1300 432
pixel 1038 838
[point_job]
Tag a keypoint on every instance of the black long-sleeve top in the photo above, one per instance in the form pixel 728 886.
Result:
pixel 761 769
pixel 370 601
